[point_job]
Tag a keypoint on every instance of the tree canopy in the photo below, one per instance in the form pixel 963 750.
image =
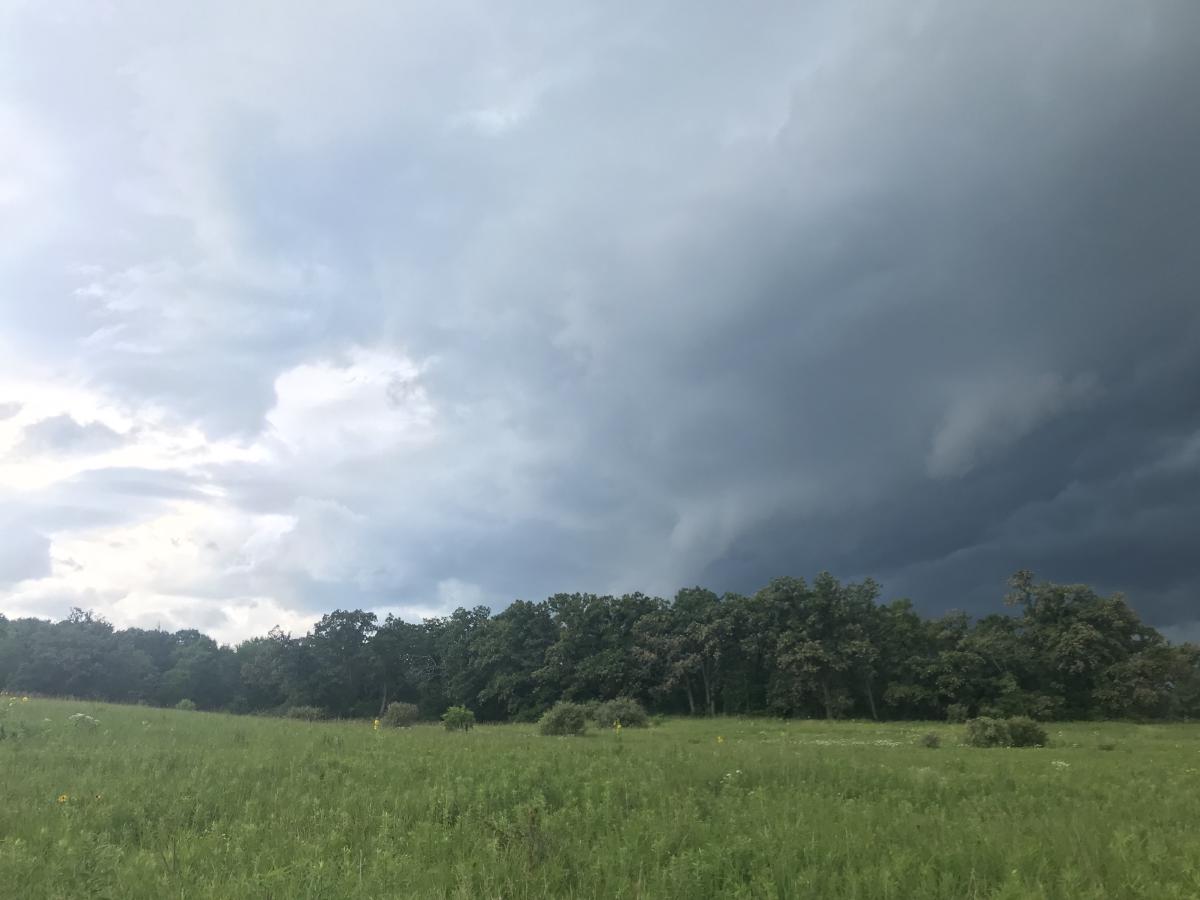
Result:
pixel 793 648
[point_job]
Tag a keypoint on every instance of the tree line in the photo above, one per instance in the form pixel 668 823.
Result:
pixel 793 648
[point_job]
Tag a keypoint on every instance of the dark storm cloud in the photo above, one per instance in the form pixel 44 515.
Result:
pixel 1070 250
pixel 903 292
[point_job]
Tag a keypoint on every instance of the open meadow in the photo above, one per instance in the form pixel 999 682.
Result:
pixel 153 803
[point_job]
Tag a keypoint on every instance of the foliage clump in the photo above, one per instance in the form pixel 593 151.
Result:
pixel 625 710
pixel 957 713
pixel 1025 732
pixel 1019 731
pixel 400 715
pixel 564 718
pixel 306 713
pixel 931 740
pixel 186 705
pixel 987 731
pixel 458 718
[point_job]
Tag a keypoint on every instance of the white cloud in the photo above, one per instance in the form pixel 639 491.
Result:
pixel 371 404
pixel 63 429
pixel 31 171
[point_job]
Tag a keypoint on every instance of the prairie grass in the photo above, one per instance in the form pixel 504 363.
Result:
pixel 167 803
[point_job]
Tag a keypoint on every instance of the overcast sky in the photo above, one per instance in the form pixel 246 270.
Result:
pixel 406 306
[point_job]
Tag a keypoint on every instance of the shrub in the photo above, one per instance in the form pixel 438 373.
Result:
pixel 1024 732
pixel 458 718
pixel 1106 745
pixel 564 718
pixel 591 711
pixel 957 713
pixel 987 732
pixel 400 715
pixel 1019 731
pixel 624 710
pixel 932 740
pixel 186 705
pixel 306 713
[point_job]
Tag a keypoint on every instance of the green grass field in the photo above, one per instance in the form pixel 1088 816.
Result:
pixel 159 803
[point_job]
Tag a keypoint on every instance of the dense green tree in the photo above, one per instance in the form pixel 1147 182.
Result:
pixel 510 653
pixel 346 671
pixel 827 648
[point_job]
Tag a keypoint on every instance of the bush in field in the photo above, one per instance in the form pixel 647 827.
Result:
pixel 932 740
pixel 957 713
pixel 458 718
pixel 986 731
pixel 306 713
pixel 186 705
pixel 1019 731
pixel 591 710
pixel 1024 732
pixel 624 710
pixel 564 718
pixel 400 715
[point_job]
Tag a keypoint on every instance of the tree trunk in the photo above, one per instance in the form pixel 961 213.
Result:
pixel 871 699
pixel 383 702
pixel 828 699
pixel 708 697
pixel 687 683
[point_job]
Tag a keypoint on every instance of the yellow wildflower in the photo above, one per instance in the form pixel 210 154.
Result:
pixel 720 739
pixel 617 726
pixel 376 725
pixel 24 699
pixel 62 798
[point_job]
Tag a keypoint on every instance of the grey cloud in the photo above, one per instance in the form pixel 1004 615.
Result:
pixel 1184 632
pixel 900 292
pixel 989 420
pixel 23 554
pixel 107 497
pixel 9 409
pixel 62 435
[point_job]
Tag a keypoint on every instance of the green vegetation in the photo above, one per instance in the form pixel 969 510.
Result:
pixel 791 649
pixel 159 803
pixel 1018 731
pixel 458 718
pixel 401 715
pixel 306 713
pixel 624 710
pixel 564 719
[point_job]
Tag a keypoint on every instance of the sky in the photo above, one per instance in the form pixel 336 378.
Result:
pixel 405 306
